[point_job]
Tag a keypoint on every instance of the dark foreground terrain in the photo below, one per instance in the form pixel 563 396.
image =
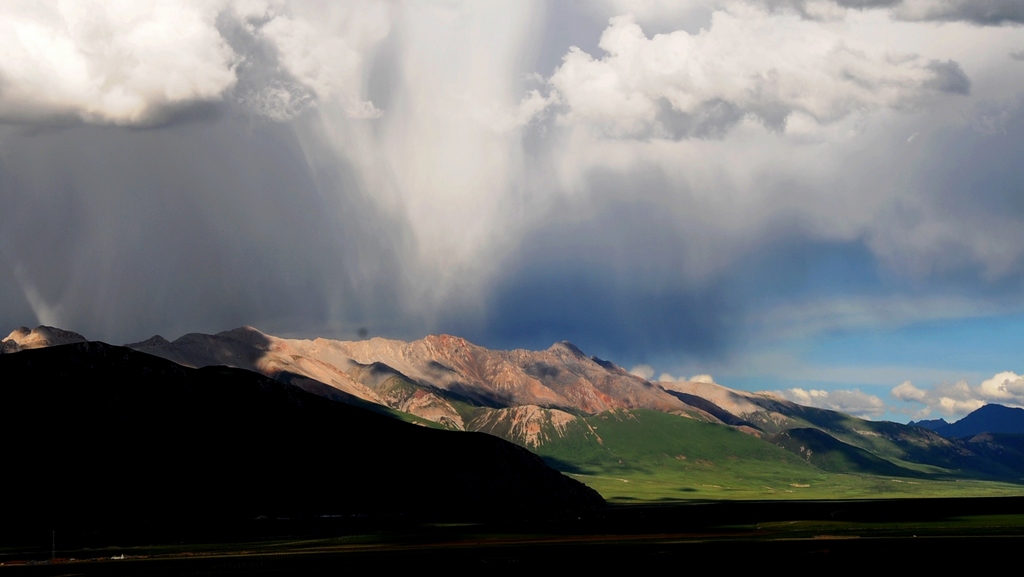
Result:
pixel 120 463
pixel 914 533
pixel 103 435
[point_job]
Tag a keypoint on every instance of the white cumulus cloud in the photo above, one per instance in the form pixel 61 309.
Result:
pixel 960 398
pixel 645 372
pixel 112 61
pixel 853 402
pixel 323 45
pixel 749 62
pixel 136 63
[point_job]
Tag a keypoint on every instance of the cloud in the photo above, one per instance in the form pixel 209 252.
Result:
pixel 813 316
pixel 110 62
pixel 120 234
pixel 906 391
pixel 866 3
pixel 322 46
pixel 265 87
pixel 949 77
pixel 440 167
pixel 853 402
pixel 643 371
pixel 981 12
pixel 315 221
pixel 669 378
pixel 1005 386
pixel 960 398
pixel 976 12
pixel 141 64
pixel 749 62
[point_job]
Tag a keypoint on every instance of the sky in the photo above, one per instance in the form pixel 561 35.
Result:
pixel 820 198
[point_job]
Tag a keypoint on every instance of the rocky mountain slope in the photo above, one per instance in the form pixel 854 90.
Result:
pixel 440 378
pixel 23 338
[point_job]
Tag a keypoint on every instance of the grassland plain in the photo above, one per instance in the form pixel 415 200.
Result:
pixel 642 455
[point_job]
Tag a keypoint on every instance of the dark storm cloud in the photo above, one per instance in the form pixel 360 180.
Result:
pixel 404 179
pixel 982 12
pixel 264 86
pixel 645 265
pixel 623 281
pixel 612 283
pixel 625 275
pixel 191 227
pixel 949 77
pixel 560 300
pixel 801 6
pixel 979 12
pixel 712 119
pixel 960 215
pixel 866 3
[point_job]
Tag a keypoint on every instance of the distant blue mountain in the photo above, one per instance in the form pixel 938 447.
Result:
pixel 988 419
pixel 930 424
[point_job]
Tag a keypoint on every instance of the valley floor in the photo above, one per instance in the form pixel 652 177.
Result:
pixel 658 487
pixel 912 533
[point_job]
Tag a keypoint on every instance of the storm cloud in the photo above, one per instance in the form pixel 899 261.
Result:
pixel 649 180
pixel 981 12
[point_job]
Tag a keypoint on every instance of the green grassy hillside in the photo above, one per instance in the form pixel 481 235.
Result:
pixel 646 454
pixel 913 448
pixel 642 455
pixel 830 454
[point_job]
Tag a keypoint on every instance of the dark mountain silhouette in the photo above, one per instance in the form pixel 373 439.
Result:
pixel 930 424
pixel 103 434
pixel 1004 448
pixel 988 419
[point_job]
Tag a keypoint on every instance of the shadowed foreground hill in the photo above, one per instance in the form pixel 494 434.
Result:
pixel 97 433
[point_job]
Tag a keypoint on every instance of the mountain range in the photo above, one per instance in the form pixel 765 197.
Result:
pixel 988 419
pixel 593 419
